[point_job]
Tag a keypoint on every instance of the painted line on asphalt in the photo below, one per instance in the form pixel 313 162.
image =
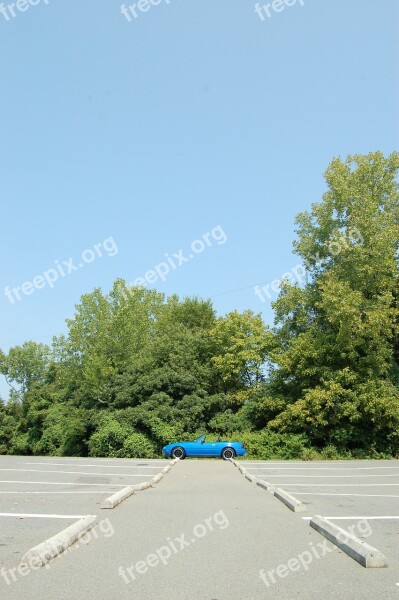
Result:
pixel 63 492
pixel 90 465
pixel 355 495
pixel 340 463
pixel 305 484
pixel 320 469
pixel 100 460
pixel 322 476
pixel 41 516
pixel 74 473
pixel 373 518
pixel 53 483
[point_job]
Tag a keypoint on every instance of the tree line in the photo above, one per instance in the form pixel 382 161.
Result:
pixel 137 370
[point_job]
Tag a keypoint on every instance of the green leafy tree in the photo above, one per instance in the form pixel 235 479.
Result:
pixel 24 366
pixel 337 335
pixel 242 344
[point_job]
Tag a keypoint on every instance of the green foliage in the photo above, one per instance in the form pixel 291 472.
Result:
pixel 120 441
pixel 20 444
pixel 335 364
pixel 109 439
pixel 9 415
pixel 25 365
pixel 138 445
pixel 228 422
pixel 64 432
pixel 268 445
pixel 136 370
pixel 242 343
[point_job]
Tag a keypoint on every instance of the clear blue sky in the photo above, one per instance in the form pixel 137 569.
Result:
pixel 153 132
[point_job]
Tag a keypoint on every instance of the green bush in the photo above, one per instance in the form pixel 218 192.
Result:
pixel 109 440
pixel 20 444
pixel 137 445
pixel 50 442
pixel 63 432
pixel 268 445
pixel 228 421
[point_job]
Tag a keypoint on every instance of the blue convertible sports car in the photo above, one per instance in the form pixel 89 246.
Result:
pixel 200 447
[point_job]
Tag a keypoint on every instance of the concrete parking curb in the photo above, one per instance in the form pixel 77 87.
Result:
pixel 129 490
pixel 266 485
pixel 118 497
pixel 41 554
pixel 156 479
pixel 139 487
pixel 263 484
pixel 292 503
pixel 363 553
pixel 244 472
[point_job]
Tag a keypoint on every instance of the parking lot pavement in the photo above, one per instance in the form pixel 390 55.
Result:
pixel 41 496
pixel 206 533
pixel 346 492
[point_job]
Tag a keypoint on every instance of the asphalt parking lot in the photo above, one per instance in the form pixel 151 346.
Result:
pixel 362 495
pixel 41 496
pixel 204 532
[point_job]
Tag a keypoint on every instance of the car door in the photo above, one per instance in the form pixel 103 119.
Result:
pixel 209 449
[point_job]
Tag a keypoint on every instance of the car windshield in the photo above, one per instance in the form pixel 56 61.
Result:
pixel 200 439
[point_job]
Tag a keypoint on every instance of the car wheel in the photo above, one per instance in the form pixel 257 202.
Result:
pixel 178 452
pixel 228 453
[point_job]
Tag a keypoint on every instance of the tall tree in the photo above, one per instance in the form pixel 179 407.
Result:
pixel 25 365
pixel 337 335
pixel 242 344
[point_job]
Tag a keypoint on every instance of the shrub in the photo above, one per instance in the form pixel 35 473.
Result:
pixel 267 445
pixel 64 432
pixel 108 440
pixel 20 444
pixel 137 445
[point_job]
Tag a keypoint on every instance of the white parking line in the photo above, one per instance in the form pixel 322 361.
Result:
pixel 35 516
pixel 384 518
pixel 341 463
pixel 116 461
pixel 355 495
pixel 321 476
pixel 305 484
pixel 74 473
pixel 64 492
pixel 319 468
pixel 53 483
pixel 96 466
